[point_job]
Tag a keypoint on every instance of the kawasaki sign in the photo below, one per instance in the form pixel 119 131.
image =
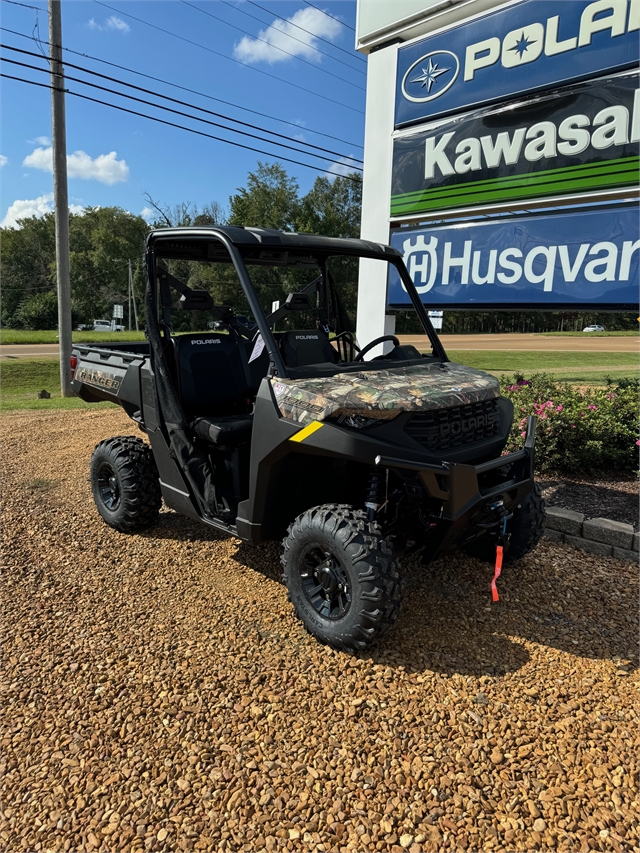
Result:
pixel 581 138
pixel 586 258
pixel 532 45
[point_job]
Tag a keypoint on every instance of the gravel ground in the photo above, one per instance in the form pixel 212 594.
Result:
pixel 157 694
pixel 601 497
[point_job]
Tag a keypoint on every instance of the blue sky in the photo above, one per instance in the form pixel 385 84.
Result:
pixel 115 158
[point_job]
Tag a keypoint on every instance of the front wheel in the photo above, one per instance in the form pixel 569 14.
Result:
pixel 341 576
pixel 526 529
pixel 125 483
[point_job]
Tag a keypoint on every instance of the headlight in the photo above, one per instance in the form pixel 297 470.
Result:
pixel 362 421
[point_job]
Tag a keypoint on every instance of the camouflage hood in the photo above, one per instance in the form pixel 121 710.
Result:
pixel 383 393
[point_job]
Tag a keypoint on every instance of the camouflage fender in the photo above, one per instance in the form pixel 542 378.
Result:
pixel 383 393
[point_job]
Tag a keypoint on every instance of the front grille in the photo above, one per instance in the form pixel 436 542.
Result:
pixel 446 429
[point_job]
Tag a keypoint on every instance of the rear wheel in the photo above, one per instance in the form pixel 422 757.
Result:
pixel 341 576
pixel 526 529
pixel 125 483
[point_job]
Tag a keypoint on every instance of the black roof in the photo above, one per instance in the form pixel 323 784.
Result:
pixel 263 237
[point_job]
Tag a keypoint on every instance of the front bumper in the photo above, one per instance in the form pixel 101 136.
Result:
pixel 474 498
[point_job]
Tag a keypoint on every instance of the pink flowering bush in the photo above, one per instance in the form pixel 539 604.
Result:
pixel 576 431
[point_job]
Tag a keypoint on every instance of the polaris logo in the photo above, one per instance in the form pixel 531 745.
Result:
pixel 435 73
pixel 307 338
pixel 196 342
pixel 610 126
pixel 430 76
pixel 526 44
pixel 463 426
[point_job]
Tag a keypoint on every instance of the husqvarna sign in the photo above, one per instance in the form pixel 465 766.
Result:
pixel 584 258
pixel 525 47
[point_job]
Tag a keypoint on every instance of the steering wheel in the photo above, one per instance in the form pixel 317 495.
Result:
pixel 375 343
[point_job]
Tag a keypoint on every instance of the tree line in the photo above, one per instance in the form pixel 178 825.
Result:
pixel 104 239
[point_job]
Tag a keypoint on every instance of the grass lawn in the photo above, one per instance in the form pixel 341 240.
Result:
pixel 579 368
pixel 22 379
pixel 19 336
pixel 511 360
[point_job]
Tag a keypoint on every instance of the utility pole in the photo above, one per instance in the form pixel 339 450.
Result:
pixel 129 295
pixel 60 194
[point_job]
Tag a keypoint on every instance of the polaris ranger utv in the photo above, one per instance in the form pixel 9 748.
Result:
pixel 295 434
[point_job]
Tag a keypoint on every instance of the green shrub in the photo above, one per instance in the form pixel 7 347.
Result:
pixel 576 431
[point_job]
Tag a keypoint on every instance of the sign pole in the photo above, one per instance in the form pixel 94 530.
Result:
pixel 60 193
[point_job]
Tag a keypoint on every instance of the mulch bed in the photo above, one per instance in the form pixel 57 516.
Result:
pixel 614 497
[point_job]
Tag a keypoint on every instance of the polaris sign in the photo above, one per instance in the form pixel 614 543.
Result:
pixel 580 259
pixel 531 45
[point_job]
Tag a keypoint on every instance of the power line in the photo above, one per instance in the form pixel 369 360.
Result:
pixel 182 103
pixel 224 56
pixel 170 123
pixel 275 47
pixel 184 88
pixel 317 49
pixel 177 112
pixel 348 26
pixel 24 5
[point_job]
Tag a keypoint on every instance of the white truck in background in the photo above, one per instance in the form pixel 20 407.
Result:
pixel 107 326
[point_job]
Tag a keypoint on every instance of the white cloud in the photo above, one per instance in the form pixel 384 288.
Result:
pixel 40 140
pixel 147 213
pixel 342 167
pixel 105 168
pixel 111 24
pixel 24 208
pixel 277 38
pixel 3 160
pixel 38 207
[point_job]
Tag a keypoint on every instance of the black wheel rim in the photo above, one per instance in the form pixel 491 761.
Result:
pixel 325 583
pixel 108 487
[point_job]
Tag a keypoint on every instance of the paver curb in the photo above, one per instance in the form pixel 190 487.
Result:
pixel 600 536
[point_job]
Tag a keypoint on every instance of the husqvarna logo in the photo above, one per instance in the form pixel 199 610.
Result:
pixel 422 262
pixel 431 76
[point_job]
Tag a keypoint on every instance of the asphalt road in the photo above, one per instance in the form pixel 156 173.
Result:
pixel 529 342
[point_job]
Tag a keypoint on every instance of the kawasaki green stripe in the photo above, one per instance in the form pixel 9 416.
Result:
pixel 568 170
pixel 515 187
pixel 525 181
pixel 518 192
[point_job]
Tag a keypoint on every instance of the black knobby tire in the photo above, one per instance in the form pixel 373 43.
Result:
pixel 125 483
pixel 351 550
pixel 526 529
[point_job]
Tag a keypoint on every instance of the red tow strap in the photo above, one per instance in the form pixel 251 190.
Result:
pixel 496 574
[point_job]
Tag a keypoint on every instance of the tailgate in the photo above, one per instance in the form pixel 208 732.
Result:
pixel 103 374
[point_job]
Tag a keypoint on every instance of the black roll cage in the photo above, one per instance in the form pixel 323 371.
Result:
pixel 271 240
